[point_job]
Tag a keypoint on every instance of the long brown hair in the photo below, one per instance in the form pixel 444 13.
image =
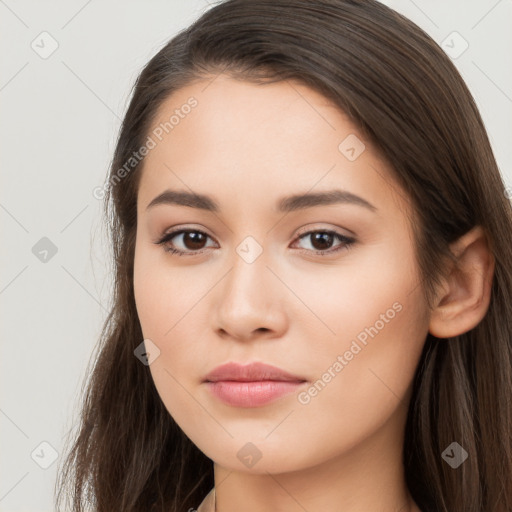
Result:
pixel 408 99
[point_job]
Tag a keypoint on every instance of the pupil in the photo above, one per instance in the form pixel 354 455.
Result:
pixel 325 240
pixel 193 238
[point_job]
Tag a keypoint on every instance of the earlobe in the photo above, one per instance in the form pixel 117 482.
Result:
pixel 464 296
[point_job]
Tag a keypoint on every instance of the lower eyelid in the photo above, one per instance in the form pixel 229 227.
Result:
pixel 174 234
pixel 346 241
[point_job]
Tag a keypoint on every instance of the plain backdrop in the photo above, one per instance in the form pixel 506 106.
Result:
pixel 67 69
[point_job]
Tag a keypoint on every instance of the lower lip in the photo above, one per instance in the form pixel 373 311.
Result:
pixel 252 394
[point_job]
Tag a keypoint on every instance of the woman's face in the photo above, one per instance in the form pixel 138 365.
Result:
pixel 325 287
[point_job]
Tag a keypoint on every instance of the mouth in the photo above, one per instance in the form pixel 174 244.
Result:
pixel 252 394
pixel 252 385
pixel 250 373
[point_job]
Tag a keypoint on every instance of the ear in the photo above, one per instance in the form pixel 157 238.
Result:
pixel 465 293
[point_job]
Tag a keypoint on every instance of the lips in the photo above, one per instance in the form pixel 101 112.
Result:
pixel 253 372
pixel 253 385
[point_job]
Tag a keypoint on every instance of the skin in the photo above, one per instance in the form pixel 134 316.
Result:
pixel 247 146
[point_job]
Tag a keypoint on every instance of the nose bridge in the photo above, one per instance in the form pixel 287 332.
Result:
pixel 249 300
pixel 249 274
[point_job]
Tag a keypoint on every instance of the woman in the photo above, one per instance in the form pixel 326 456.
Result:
pixel 312 305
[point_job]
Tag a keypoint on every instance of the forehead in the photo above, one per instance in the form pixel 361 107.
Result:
pixel 238 139
pixel 231 110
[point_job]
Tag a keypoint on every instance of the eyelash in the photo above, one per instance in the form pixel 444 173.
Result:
pixel 347 242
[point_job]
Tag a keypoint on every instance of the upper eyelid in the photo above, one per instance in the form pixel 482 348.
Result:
pixel 302 231
pixel 337 231
pixel 306 231
pixel 180 231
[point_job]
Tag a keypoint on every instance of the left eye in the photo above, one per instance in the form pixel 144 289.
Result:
pixel 193 241
pixel 324 238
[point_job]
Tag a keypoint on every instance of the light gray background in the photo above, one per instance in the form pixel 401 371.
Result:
pixel 60 118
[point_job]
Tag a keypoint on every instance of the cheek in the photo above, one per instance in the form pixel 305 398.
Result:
pixel 347 298
pixel 169 301
pixel 164 294
pixel 164 310
pixel 365 371
pixel 374 326
pixel 362 380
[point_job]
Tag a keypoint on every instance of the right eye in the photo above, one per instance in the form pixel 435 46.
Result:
pixel 194 238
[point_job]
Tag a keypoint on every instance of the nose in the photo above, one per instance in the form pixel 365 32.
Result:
pixel 250 302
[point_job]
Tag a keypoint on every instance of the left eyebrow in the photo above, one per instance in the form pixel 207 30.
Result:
pixel 302 201
pixel 285 204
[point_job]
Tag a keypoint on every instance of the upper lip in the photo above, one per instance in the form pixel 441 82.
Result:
pixel 250 373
